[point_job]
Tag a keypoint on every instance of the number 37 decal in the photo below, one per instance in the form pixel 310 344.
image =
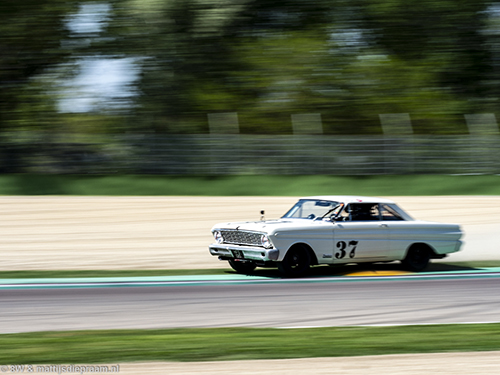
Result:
pixel 345 248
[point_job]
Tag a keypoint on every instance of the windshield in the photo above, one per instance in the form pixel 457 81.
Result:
pixel 312 209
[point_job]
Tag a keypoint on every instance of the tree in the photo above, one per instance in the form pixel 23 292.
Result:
pixel 31 31
pixel 445 34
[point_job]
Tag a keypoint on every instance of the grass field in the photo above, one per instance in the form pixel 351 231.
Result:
pixel 224 344
pixel 271 272
pixel 286 185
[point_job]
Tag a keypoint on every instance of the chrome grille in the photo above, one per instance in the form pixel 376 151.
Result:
pixel 239 237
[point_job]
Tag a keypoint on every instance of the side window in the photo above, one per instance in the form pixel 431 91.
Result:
pixel 364 211
pixel 389 214
pixel 344 214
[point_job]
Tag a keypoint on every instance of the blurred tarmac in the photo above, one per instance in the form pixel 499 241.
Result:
pixel 67 232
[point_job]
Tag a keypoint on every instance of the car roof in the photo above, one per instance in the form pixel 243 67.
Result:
pixel 350 199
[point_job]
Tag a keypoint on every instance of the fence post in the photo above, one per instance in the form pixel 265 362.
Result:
pixel 306 124
pixel 224 125
pixel 483 134
pixel 398 125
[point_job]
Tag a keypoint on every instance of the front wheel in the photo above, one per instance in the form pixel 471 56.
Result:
pixel 417 258
pixel 296 262
pixel 242 267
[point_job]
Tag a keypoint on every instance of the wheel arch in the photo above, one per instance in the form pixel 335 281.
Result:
pixel 429 248
pixel 312 254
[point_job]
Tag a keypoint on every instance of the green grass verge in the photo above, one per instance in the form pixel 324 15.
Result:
pixel 271 272
pixel 248 185
pixel 224 344
pixel 49 274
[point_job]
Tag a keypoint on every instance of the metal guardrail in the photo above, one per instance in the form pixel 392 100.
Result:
pixel 254 154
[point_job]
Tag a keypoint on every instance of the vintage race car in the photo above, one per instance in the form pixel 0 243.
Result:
pixel 334 230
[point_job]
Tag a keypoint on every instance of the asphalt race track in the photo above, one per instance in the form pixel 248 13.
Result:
pixel 456 297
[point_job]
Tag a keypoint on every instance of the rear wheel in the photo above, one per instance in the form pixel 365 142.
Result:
pixel 242 267
pixel 417 258
pixel 296 262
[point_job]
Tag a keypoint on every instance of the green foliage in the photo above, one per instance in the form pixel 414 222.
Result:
pixel 248 185
pixel 448 36
pixel 31 34
pixel 346 60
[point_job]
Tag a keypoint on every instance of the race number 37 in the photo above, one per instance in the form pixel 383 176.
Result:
pixel 345 248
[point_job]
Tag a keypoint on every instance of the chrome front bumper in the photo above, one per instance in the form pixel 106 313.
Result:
pixel 244 252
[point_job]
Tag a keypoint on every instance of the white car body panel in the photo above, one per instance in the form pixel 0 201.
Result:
pixel 443 238
pixel 372 241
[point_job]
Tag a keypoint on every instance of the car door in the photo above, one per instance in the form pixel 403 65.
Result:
pixel 361 236
pixel 401 232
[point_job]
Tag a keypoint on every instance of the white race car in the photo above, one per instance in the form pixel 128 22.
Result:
pixel 334 230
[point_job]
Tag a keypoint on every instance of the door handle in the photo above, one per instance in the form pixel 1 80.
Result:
pixel 383 226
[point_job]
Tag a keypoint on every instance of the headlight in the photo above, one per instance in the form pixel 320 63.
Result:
pixel 218 237
pixel 266 242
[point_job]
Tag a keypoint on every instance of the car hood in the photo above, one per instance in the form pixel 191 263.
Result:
pixel 270 226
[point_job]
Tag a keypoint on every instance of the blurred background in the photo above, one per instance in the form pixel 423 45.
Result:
pixel 341 87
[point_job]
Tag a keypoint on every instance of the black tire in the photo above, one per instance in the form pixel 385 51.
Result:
pixel 296 262
pixel 417 258
pixel 242 267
